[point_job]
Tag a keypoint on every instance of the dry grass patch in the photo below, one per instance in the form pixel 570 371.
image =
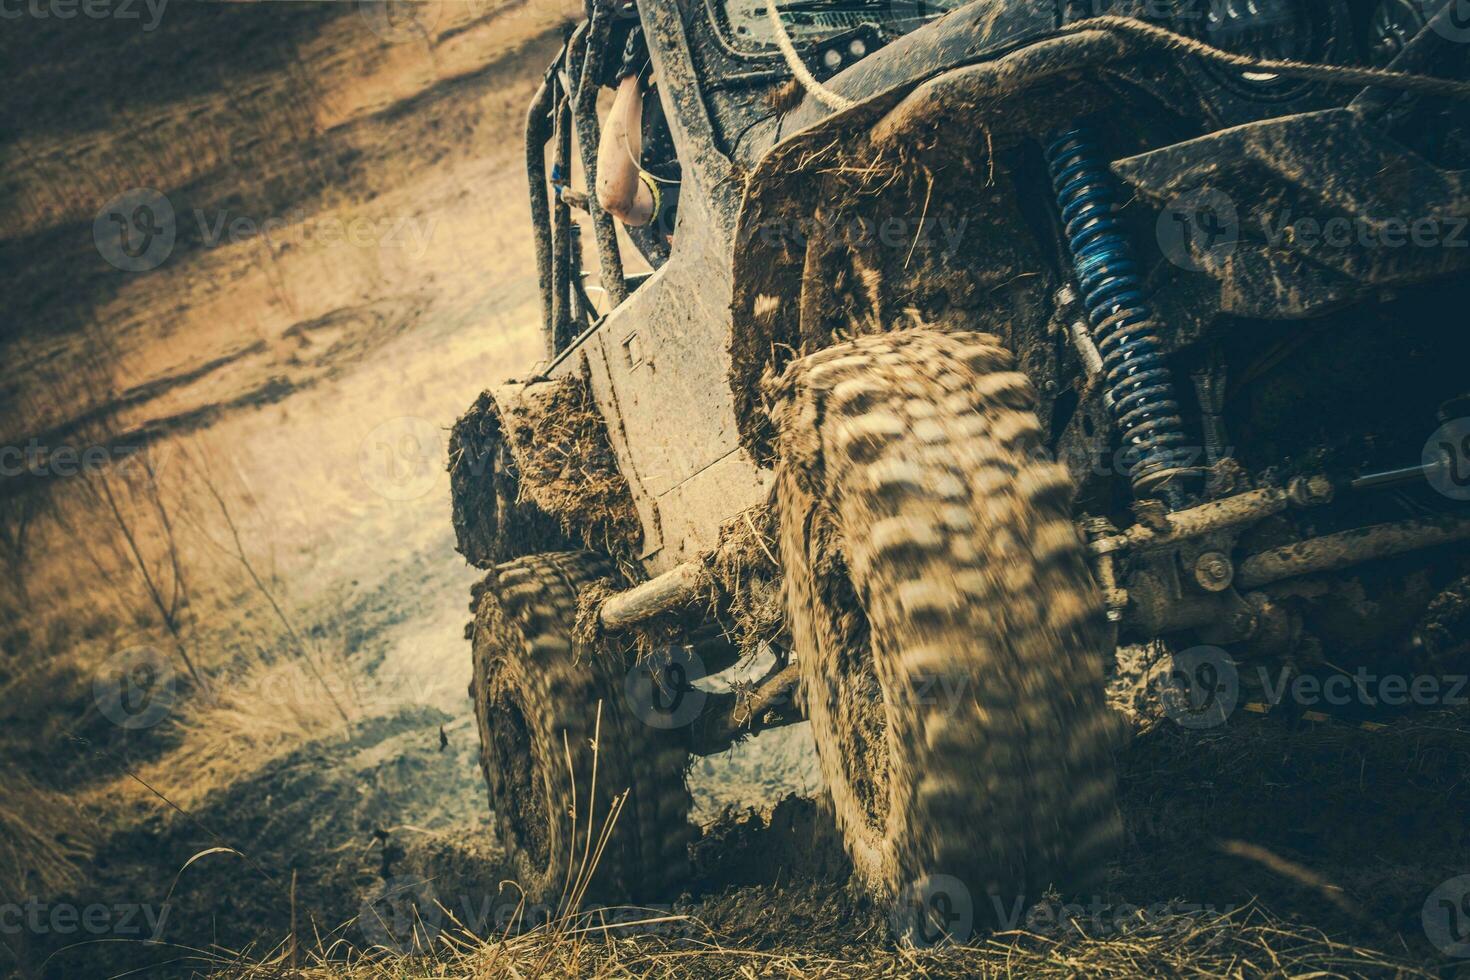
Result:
pixel 1244 943
pixel 249 721
pixel 44 839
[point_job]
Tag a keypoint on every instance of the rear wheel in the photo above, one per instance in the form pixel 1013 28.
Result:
pixel 949 634
pixel 539 702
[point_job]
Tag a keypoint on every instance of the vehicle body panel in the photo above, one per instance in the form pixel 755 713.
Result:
pixel 659 363
pixel 676 368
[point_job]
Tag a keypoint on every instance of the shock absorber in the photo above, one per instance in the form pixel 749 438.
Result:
pixel 1120 316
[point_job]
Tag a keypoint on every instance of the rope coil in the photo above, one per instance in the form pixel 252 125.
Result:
pixel 820 92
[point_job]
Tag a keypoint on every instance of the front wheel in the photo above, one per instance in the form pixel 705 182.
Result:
pixel 950 637
pixel 541 704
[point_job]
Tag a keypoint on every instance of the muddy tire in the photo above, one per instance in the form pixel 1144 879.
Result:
pixel 536 700
pixel 950 636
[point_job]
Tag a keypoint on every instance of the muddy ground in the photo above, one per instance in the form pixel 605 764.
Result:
pixel 1367 824
pixel 320 379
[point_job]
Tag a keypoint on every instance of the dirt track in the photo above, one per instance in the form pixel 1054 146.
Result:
pixel 298 363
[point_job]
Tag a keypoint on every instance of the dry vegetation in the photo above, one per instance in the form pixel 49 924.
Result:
pixel 260 552
pixel 1206 945
pixel 1168 939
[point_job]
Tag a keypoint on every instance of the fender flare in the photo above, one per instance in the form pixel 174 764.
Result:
pixel 531 470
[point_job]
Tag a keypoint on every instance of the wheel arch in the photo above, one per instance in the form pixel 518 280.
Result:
pixel 512 493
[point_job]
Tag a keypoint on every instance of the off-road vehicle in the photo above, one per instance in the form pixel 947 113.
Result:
pixel 989 337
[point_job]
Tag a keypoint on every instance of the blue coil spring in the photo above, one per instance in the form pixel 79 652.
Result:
pixel 1120 314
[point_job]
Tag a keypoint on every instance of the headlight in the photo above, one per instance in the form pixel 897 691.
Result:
pixel 1270 30
pixel 1266 29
